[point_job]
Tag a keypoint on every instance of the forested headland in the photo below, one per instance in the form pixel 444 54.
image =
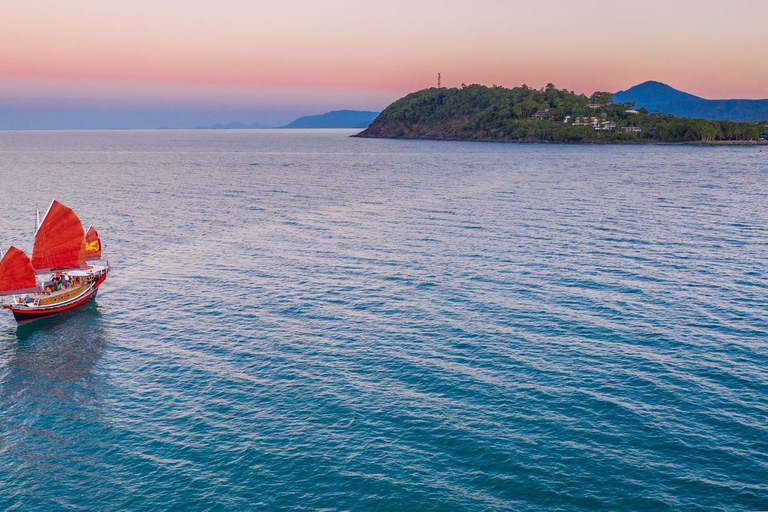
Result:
pixel 524 114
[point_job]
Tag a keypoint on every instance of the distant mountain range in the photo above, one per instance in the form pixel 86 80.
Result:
pixel 654 96
pixel 237 126
pixel 334 119
pixel 659 97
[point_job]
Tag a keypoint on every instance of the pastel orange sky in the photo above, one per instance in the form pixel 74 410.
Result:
pixel 354 54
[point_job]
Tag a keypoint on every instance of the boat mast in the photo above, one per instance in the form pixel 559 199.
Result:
pixel 37 218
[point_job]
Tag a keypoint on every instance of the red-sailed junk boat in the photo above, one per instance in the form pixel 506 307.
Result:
pixel 65 271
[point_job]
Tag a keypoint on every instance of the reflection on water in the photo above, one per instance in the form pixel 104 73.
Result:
pixel 49 394
pixel 59 352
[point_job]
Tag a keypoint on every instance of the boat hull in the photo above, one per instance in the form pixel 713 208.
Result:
pixel 25 314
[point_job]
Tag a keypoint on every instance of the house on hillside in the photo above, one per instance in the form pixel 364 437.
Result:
pixel 632 129
pixel 606 126
pixel 585 121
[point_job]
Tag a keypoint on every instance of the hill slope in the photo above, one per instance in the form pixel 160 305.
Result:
pixel 659 97
pixel 336 119
pixel 477 112
pixel 652 92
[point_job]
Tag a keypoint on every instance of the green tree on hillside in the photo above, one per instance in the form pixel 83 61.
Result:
pixel 476 112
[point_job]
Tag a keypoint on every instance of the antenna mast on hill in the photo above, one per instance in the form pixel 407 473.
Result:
pixel 438 79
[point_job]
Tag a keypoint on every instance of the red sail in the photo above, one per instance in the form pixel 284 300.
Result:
pixel 92 244
pixel 59 241
pixel 16 273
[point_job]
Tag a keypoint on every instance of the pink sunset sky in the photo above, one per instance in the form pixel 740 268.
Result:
pixel 239 60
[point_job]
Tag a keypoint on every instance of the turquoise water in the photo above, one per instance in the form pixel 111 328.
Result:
pixel 303 320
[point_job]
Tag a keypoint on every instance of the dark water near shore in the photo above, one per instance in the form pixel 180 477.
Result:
pixel 303 320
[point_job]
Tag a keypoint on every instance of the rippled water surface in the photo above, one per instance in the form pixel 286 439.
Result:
pixel 303 320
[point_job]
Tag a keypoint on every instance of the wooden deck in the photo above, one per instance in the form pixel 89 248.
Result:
pixel 59 296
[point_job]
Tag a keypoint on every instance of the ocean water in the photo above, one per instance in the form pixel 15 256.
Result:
pixel 304 321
